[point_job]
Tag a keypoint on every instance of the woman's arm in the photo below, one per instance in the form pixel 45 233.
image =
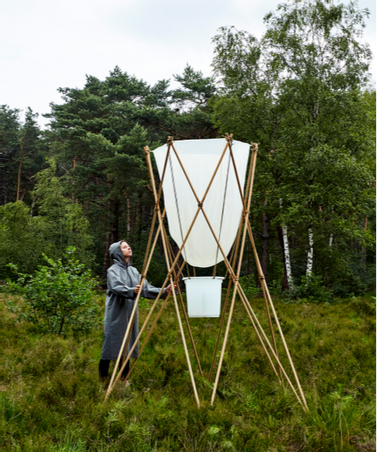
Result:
pixel 152 292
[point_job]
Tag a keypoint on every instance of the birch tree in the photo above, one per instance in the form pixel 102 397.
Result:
pixel 298 92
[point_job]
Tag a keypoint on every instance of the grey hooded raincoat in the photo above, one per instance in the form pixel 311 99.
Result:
pixel 122 279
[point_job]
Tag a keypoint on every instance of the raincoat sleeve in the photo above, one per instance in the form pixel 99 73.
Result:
pixel 115 285
pixel 152 292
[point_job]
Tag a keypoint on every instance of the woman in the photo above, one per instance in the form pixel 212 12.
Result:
pixel 122 288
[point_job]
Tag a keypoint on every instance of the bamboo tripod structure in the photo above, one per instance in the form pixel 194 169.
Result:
pixel 244 231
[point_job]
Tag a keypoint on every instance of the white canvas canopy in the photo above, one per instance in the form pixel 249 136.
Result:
pixel 222 205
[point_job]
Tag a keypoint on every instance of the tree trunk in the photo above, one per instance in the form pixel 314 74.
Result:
pixel 24 193
pixel 115 223
pixel 363 249
pixel 331 240
pixel 20 167
pixel 265 237
pixel 286 253
pixel 285 285
pixel 112 236
pixel 106 259
pixel 309 264
pixel 61 326
pixel 32 205
pixel 5 185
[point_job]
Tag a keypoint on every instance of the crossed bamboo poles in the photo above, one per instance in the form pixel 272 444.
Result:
pixel 234 274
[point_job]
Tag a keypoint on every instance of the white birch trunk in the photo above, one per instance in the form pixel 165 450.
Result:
pixel 331 239
pixel 309 264
pixel 287 258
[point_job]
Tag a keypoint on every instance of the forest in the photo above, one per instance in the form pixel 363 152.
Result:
pixel 304 93
pixel 305 98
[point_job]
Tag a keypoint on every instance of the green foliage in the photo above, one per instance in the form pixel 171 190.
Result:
pixel 61 217
pixel 21 151
pixel 301 93
pixel 60 223
pixel 312 289
pixel 58 295
pixel 53 399
pixel 19 239
pixel 97 137
pixel 249 287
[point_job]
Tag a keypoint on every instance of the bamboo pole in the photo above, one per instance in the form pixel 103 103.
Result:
pixel 250 309
pixel 155 210
pixel 268 314
pixel 212 178
pixel 226 330
pixel 183 309
pixel 259 337
pixel 236 279
pixel 146 322
pixel 235 249
pixel 237 285
pixel 277 321
pixel 185 347
pixel 148 336
pixel 236 173
pixel 233 260
pixel 171 279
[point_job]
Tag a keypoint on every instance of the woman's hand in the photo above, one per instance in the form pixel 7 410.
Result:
pixel 169 288
pixel 137 288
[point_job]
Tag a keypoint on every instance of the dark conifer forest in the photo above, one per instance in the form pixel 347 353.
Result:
pixel 304 98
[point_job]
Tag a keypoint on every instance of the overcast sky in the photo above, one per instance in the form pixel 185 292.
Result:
pixel 47 44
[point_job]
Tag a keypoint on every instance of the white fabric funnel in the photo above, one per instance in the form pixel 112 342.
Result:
pixel 223 204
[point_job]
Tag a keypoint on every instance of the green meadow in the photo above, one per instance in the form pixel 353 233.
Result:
pixel 52 399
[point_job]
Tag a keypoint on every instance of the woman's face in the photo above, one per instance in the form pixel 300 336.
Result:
pixel 126 250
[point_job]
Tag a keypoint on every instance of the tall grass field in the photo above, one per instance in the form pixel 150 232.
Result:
pixel 52 399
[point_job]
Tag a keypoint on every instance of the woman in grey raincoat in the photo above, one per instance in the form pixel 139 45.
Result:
pixel 122 288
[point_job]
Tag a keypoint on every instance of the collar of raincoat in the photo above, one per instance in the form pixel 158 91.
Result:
pixel 117 255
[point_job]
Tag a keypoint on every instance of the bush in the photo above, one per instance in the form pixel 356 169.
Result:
pixel 312 289
pixel 249 287
pixel 58 295
pixel 20 239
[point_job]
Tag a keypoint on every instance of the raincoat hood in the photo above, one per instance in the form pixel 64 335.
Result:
pixel 117 255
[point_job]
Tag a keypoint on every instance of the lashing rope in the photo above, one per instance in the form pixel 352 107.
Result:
pixel 222 216
pixel 175 196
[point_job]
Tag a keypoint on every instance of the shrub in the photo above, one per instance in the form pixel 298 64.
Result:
pixel 249 287
pixel 312 289
pixel 58 295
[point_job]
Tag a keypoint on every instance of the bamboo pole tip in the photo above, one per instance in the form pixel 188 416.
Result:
pixel 147 150
pixel 170 140
pixel 255 147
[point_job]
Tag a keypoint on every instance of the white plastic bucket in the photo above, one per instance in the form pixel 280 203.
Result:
pixel 203 296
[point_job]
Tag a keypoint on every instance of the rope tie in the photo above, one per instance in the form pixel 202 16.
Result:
pixel 175 195
pixel 222 215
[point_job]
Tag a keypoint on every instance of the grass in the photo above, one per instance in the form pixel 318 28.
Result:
pixel 52 399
